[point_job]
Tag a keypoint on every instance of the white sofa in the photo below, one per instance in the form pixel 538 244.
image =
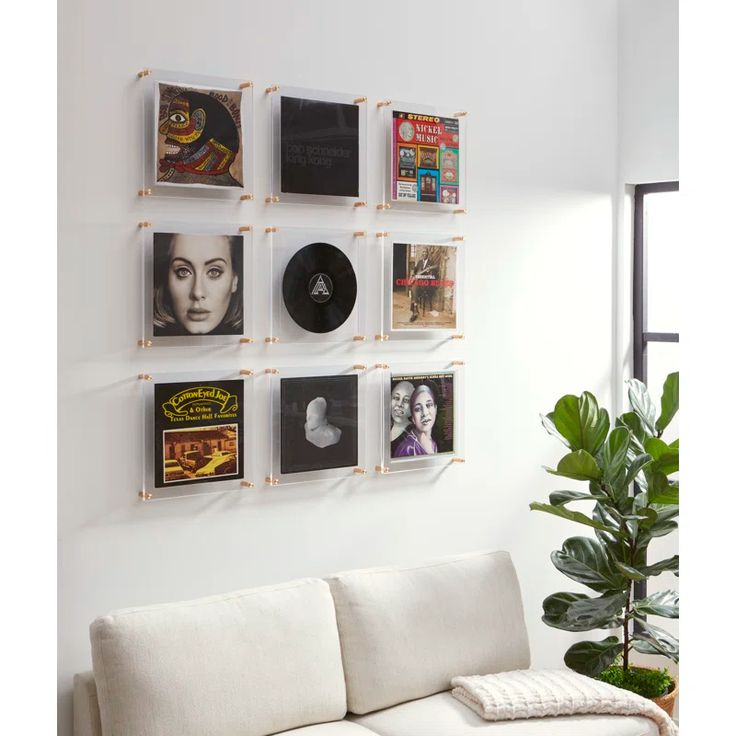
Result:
pixel 361 653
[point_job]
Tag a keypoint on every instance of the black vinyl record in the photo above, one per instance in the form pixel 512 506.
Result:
pixel 319 287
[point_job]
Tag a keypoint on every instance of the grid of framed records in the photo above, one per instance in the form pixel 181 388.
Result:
pixel 317 424
pixel 198 136
pixel 423 286
pixel 421 416
pixel 196 433
pixel 197 286
pixel 426 157
pixel 319 147
pixel 317 280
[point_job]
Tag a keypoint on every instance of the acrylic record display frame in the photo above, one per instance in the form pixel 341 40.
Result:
pixel 431 373
pixel 281 193
pixel 429 117
pixel 149 81
pixel 283 244
pixel 218 433
pixel 407 310
pixel 153 239
pixel 343 386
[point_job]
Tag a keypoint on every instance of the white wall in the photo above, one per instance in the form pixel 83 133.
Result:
pixel 539 80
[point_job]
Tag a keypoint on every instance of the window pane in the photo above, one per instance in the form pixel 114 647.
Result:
pixel 663 358
pixel 662 238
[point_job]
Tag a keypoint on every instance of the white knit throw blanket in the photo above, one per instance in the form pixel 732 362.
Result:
pixel 536 694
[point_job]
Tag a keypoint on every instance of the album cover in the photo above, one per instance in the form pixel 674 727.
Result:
pixel 320 144
pixel 197 284
pixel 199 136
pixel 319 423
pixel 424 287
pixel 425 158
pixel 198 432
pixel 422 414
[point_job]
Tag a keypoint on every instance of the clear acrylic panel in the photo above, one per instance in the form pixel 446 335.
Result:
pixel 214 170
pixel 317 424
pixel 425 162
pixel 422 416
pixel 423 286
pixel 196 433
pixel 662 359
pixel 197 289
pixel 331 281
pixel 662 237
pixel 319 147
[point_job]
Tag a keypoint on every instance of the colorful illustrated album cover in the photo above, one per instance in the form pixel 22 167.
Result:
pixel 199 136
pixel 320 147
pixel 423 287
pixel 197 284
pixel 198 432
pixel 425 158
pixel 319 423
pixel 421 417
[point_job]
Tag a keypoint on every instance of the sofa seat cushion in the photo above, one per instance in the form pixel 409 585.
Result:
pixel 251 663
pixel 336 728
pixel 442 715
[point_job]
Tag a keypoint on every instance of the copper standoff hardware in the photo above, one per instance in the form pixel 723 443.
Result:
pixel 246 372
pixel 246 197
pixel 359 367
pixel 383 206
pixel 144 73
pixel 358 338
pixel 359 471
pixel 145 343
pixel 271 481
pixel 245 229
pixel 246 484
pixel 458 460
pixel 145 377
pixel 144 192
pixel 383 103
pixel 460 211
pixel 383 234
pixel 245 85
pixel 380 338
pixel 459 336
pixel 272 340
pixel 272 88
pixel 358 100
pixel 458 362
pixel 144 224
pixel 272 229
pixel 272 371
pixel 273 199
pixel 360 234
pixel 381 365
pixel 360 204
pixel 382 469
pixel 145 495
pixel 459 114
pixel 457 238
pixel 246 340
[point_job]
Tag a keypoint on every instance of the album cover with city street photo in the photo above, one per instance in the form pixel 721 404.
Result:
pixel 423 287
pixel 319 423
pixel 199 136
pixel 198 432
pixel 320 147
pixel 421 414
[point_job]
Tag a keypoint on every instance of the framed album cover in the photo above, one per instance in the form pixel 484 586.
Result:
pixel 423 286
pixel 422 416
pixel 317 285
pixel 196 437
pixel 317 424
pixel 198 136
pixel 426 155
pixel 197 285
pixel 319 147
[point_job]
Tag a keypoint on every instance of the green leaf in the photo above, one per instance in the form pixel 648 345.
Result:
pixel 578 612
pixel 592 657
pixel 578 465
pixel 667 494
pixel 640 432
pixel 585 561
pixel 666 457
pixel 635 466
pixel 671 564
pixel 630 572
pixel 653 640
pixel 575 516
pixel 560 498
pixel 642 403
pixel 581 422
pixel 549 424
pixel 665 603
pixel 670 401
pixel 656 447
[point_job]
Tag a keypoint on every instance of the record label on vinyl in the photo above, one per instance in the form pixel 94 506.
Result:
pixel 319 287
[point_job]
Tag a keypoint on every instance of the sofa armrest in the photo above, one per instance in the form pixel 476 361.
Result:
pixel 86 708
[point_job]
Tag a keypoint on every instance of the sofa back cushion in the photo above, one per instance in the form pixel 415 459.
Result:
pixel 405 632
pixel 250 663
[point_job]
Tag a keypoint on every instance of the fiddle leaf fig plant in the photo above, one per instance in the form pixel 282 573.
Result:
pixel 631 498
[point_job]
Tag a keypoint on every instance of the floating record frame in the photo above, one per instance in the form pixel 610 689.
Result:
pixel 332 400
pixel 303 179
pixel 232 102
pixel 425 166
pixel 180 315
pixel 403 452
pixel 423 286
pixel 189 457
pixel 283 245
